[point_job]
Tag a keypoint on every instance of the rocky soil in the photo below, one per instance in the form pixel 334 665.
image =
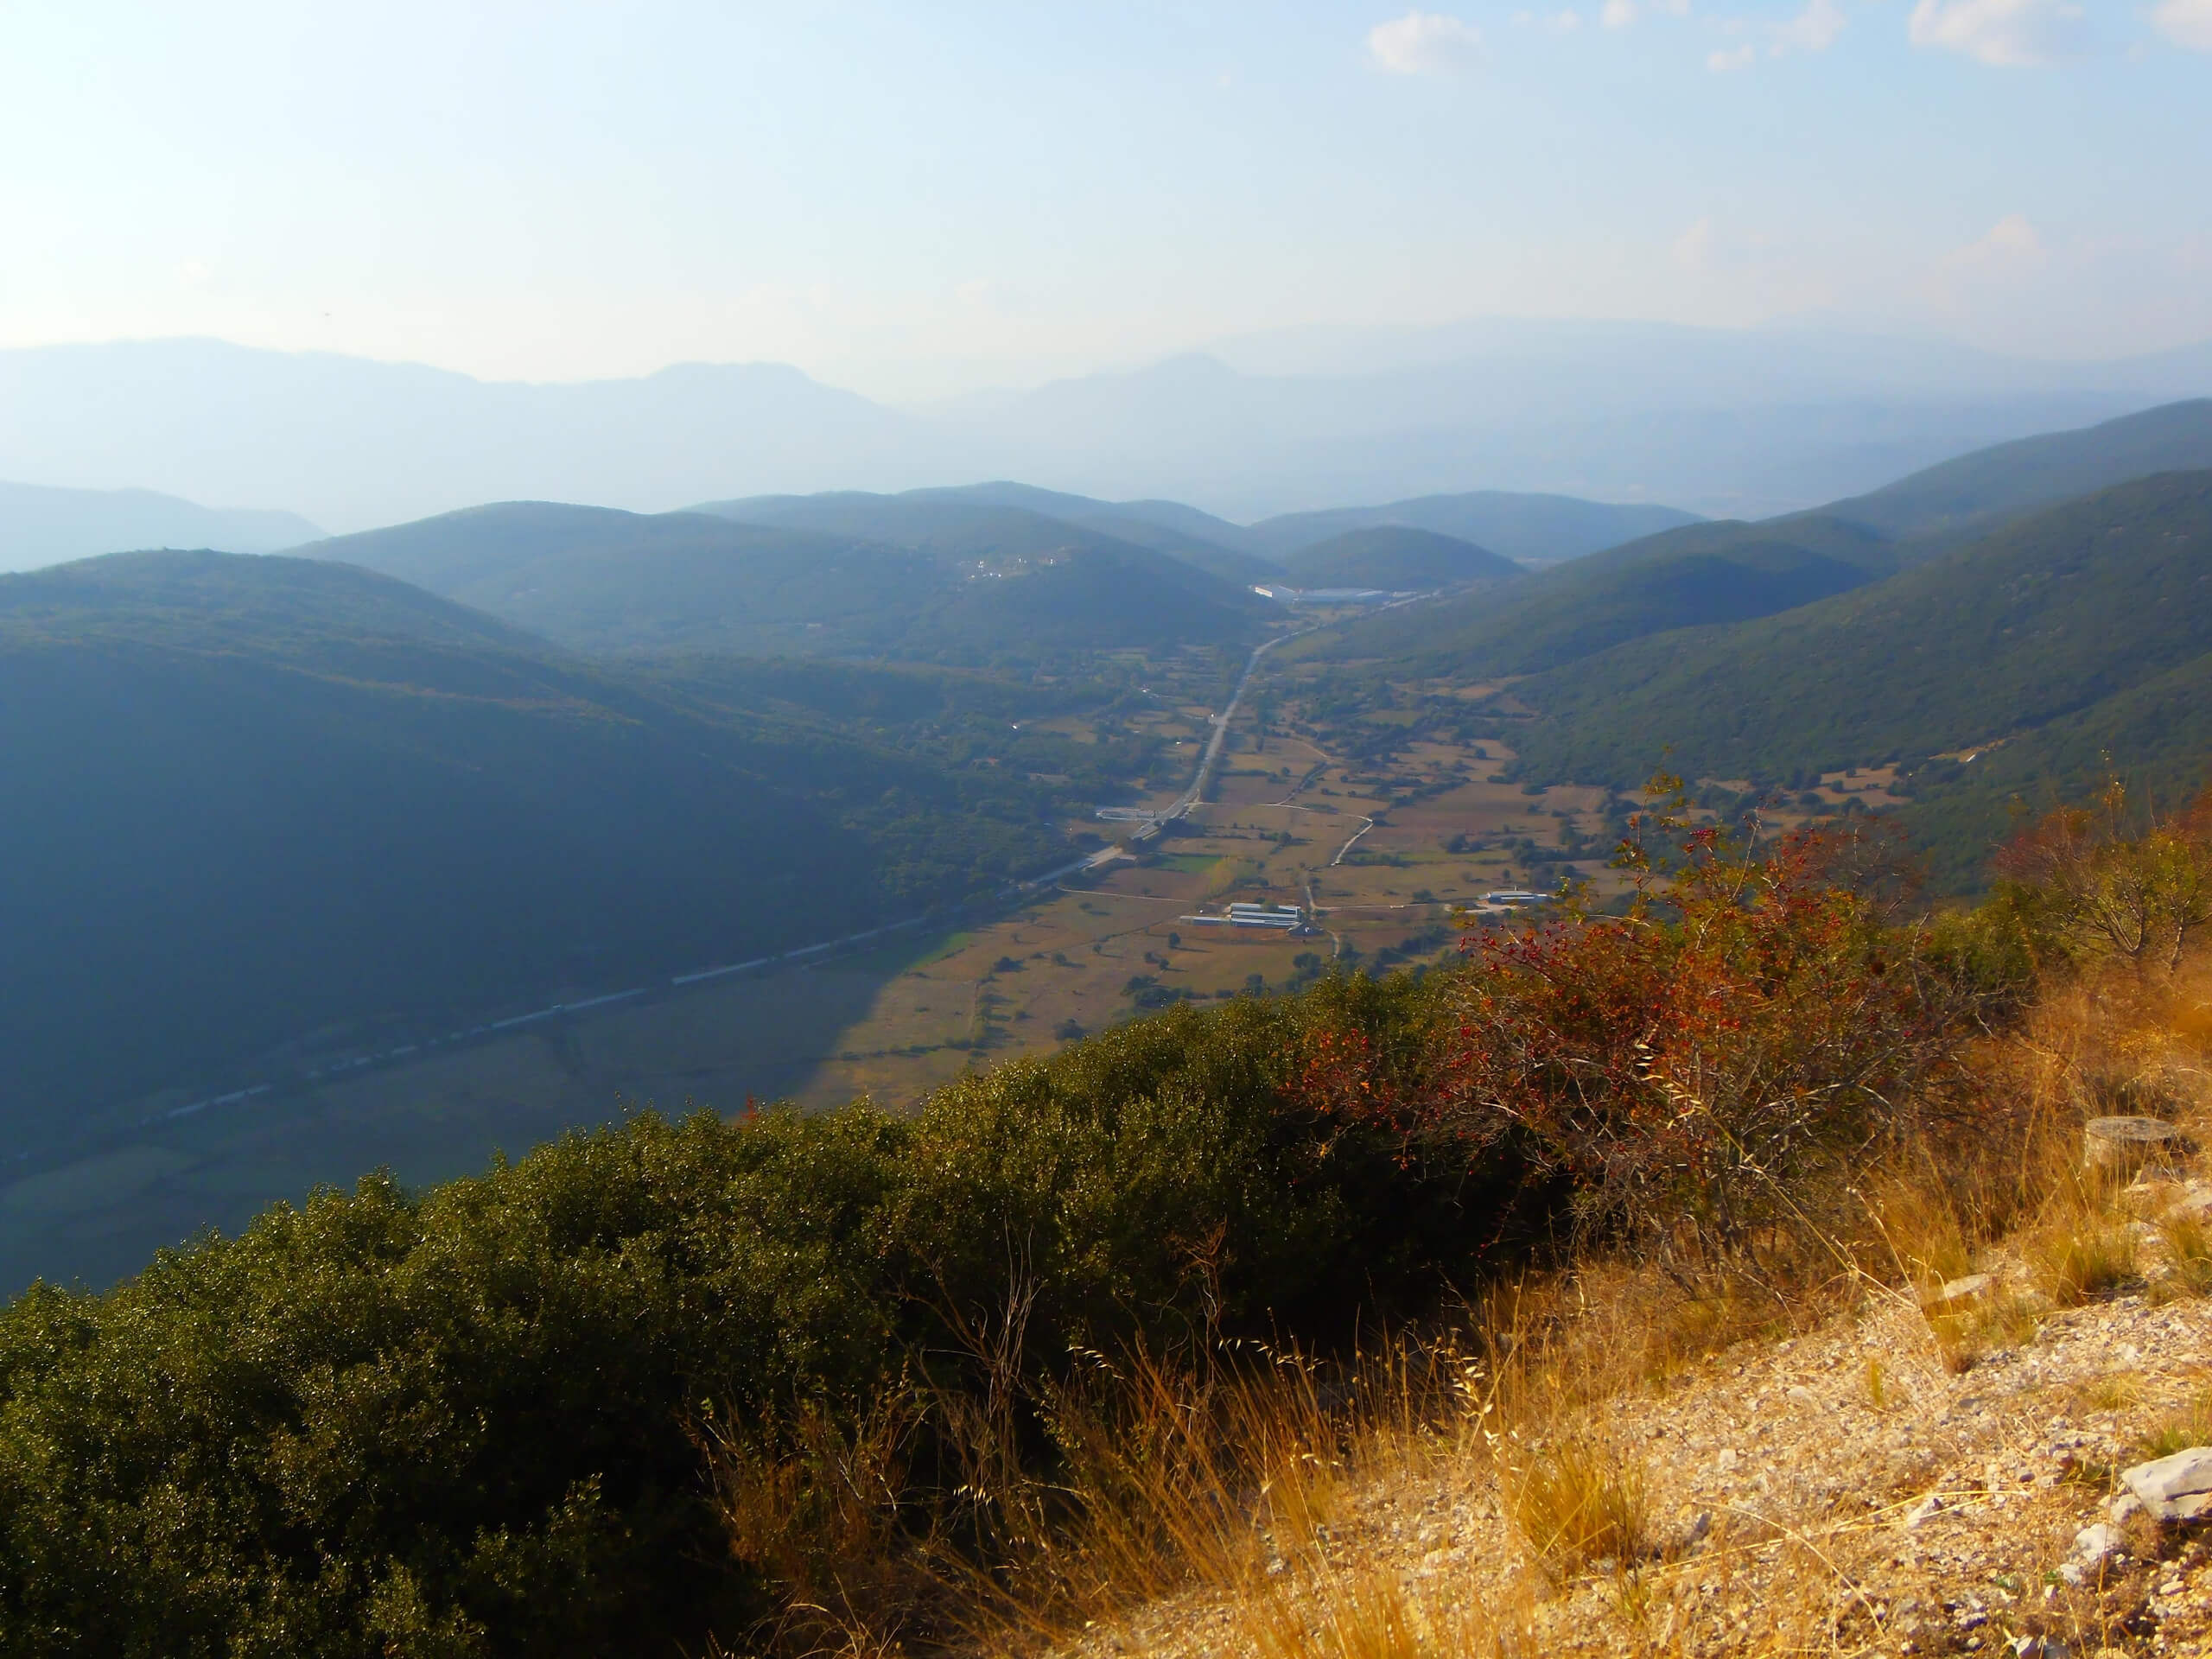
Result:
pixel 1847 1491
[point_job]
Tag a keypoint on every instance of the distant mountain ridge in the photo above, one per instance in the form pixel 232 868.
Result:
pixel 41 526
pixel 1730 571
pixel 1732 423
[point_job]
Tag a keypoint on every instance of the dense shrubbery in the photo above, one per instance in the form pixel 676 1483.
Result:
pixel 1693 1068
pixel 469 1421
pixel 675 1379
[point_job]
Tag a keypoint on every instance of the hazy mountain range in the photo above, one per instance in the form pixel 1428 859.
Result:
pixel 41 526
pixel 604 746
pixel 1716 422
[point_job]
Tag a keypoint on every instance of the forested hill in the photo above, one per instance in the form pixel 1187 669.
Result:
pixel 998 520
pixel 1731 571
pixel 2072 638
pixel 968 584
pixel 1395 558
pixel 1976 491
pixel 254 798
pixel 1724 571
pixel 1533 528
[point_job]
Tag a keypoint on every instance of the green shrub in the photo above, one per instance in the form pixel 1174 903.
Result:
pixel 469 1421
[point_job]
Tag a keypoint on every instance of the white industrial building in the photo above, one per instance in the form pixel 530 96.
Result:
pixel 1249 915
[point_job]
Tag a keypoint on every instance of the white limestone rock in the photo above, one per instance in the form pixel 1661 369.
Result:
pixel 2174 1489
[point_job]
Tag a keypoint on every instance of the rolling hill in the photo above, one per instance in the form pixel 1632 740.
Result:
pixel 1975 491
pixel 1707 573
pixel 964 582
pixel 1198 538
pixel 253 800
pixel 2081 631
pixel 1534 529
pixel 598 580
pixel 997 521
pixel 1087 598
pixel 1732 571
pixel 1397 558
pixel 39 526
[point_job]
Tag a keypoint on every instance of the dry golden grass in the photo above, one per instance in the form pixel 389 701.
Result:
pixel 2188 1244
pixel 1368 1612
pixel 1225 1502
pixel 2180 1430
pixel 1577 1500
pixel 2080 1257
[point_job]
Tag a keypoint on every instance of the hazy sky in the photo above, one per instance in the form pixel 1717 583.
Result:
pixel 915 199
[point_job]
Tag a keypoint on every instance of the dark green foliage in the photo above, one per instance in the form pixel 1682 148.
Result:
pixel 2156 732
pixel 1087 598
pixel 2038 622
pixel 598 580
pixel 1936 506
pixel 938 580
pixel 252 797
pixel 1680 578
pixel 957 719
pixel 457 1423
pixel 1395 557
pixel 1539 529
pixel 951 519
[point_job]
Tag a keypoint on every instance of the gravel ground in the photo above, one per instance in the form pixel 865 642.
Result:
pixel 1842 1492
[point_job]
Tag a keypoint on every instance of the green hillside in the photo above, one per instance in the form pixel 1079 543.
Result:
pixel 1089 598
pixel 1699 574
pixel 966 583
pixel 1395 558
pixel 2075 630
pixel 1977 490
pixel 601 580
pixel 995 522
pixel 252 799
pixel 1534 529
pixel 1212 544
pixel 1731 571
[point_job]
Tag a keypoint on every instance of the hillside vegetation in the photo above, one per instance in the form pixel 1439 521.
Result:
pixel 1533 529
pixel 253 798
pixel 2037 623
pixel 1976 491
pixel 1730 571
pixel 961 518
pixel 480 1420
pixel 1680 578
pixel 1084 1331
pixel 960 583
pixel 1394 557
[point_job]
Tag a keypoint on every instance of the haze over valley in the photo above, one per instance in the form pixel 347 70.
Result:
pixel 977 830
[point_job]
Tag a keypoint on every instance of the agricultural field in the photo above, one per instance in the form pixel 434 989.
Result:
pixel 1388 841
